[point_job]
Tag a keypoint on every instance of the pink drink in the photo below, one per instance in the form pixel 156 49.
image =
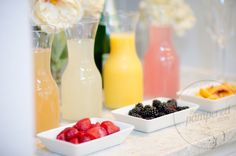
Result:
pixel 161 65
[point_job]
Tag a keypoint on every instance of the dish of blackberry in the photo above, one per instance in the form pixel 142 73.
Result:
pixel 156 109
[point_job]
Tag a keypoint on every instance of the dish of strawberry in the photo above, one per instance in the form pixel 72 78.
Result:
pixel 84 131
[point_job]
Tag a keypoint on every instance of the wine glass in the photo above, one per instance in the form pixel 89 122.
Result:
pixel 220 27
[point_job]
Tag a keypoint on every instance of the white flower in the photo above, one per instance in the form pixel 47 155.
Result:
pixel 175 13
pixel 61 14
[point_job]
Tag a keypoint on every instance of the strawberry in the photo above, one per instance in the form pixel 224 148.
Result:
pixel 71 133
pixel 62 134
pixel 81 134
pixel 74 141
pixel 97 124
pixel 110 127
pixel 83 124
pixel 96 132
pixel 83 137
pixel 84 131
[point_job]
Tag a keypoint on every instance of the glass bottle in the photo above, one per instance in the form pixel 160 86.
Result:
pixel 47 103
pixel 122 73
pixel 101 46
pixel 81 86
pixel 220 26
pixel 161 64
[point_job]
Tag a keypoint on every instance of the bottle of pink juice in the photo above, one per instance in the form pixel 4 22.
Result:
pixel 161 64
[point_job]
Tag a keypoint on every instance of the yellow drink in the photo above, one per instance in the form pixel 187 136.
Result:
pixel 47 112
pixel 123 77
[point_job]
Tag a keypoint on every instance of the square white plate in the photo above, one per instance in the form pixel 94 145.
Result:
pixel 48 138
pixel 144 125
pixel 207 104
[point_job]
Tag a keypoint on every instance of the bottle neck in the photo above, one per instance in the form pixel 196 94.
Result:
pixel 160 36
pixel 122 43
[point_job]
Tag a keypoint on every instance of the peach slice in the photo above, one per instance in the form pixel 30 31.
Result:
pixel 218 91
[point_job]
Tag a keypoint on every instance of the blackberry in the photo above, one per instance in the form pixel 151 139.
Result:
pixel 162 107
pixel 139 105
pixel 172 103
pixel 153 112
pixel 156 103
pixel 185 107
pixel 133 111
pixel 147 107
pixel 136 115
pixel 145 113
pixel 161 114
pixel 149 118
pixel 171 106
pixel 169 110
pixel 137 109
pixel 130 112
pixel 179 108
pixel 157 109
pixel 149 112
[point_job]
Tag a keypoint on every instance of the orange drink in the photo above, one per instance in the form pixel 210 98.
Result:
pixel 122 72
pixel 47 112
pixel 123 77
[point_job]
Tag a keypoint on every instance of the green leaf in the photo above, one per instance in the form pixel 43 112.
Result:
pixel 58 46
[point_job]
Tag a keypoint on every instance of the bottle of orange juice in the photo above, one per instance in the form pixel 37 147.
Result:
pixel 122 73
pixel 47 112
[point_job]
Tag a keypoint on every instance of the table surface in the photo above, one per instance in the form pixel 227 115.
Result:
pixel 213 134
pixel 196 138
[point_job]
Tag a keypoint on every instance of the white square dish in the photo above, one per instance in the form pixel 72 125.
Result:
pixel 207 104
pixel 144 125
pixel 48 138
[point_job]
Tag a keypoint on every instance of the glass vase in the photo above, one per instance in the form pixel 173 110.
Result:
pixel 122 73
pixel 47 103
pixel 81 86
pixel 161 64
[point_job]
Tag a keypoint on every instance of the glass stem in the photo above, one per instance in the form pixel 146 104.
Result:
pixel 222 57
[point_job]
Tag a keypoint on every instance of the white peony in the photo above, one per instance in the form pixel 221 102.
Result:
pixel 58 13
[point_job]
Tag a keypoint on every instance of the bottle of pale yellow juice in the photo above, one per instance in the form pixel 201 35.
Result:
pixel 122 72
pixel 81 86
pixel 46 92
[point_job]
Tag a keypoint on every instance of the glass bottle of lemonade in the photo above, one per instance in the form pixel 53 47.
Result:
pixel 47 104
pixel 81 86
pixel 123 77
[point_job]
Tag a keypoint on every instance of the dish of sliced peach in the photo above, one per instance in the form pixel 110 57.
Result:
pixel 215 92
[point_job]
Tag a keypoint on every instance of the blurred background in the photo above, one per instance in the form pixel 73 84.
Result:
pixel 196 49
